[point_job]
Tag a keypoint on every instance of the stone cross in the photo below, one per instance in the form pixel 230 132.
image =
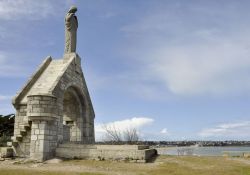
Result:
pixel 71 25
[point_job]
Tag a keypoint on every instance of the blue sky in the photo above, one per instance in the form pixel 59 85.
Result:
pixel 175 70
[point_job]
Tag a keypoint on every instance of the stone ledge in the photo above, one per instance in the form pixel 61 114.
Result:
pixel 41 94
pixel 41 116
pixel 76 145
pixel 122 147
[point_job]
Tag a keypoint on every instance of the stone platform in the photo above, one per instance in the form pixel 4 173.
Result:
pixel 137 153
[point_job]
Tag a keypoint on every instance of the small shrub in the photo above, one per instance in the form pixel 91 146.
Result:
pixel 3 140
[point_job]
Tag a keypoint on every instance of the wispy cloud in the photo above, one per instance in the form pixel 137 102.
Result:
pixel 5 97
pixel 237 130
pixel 188 56
pixel 11 68
pixel 29 9
pixel 122 125
pixel 219 67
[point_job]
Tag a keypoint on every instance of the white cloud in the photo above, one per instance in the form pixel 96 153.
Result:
pixel 30 9
pixel 209 68
pixel 188 56
pixel 122 125
pixel 164 131
pixel 228 130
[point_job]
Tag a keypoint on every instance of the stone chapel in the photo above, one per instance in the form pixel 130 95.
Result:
pixel 54 106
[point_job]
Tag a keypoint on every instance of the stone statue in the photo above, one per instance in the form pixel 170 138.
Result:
pixel 71 25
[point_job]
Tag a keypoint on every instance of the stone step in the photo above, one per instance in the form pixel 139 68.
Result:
pixel 23 132
pixel 27 126
pixel 24 127
pixel 14 141
pixel 19 137
pixel 9 144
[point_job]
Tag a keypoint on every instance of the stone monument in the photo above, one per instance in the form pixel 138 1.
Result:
pixel 71 25
pixel 54 112
pixel 54 106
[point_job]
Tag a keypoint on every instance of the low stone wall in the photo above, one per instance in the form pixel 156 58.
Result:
pixel 244 154
pixel 123 147
pixel 106 152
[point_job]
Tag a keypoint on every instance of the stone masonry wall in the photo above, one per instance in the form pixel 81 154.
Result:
pixel 73 77
pixel 42 111
pixel 43 140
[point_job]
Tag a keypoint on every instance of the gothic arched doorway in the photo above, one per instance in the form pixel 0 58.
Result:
pixel 72 116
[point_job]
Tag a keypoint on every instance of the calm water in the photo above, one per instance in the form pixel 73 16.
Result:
pixel 202 151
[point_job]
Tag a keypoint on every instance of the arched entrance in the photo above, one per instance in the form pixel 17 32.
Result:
pixel 73 115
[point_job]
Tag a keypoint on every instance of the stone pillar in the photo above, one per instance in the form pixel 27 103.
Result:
pixel 42 111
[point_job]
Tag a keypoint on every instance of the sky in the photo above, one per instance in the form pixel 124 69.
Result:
pixel 172 69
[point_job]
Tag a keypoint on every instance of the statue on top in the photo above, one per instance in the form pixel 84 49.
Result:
pixel 71 25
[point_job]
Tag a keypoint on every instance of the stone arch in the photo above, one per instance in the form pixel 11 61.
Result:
pixel 74 114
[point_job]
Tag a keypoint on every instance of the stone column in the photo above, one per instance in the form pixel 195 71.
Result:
pixel 42 111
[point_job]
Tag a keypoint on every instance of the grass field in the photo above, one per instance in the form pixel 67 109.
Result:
pixel 163 165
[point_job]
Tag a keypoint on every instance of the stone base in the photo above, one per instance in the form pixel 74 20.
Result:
pixel 135 153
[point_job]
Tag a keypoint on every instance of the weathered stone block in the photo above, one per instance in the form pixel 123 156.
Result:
pixel 6 152
pixel 41 137
pixel 33 137
pixel 37 131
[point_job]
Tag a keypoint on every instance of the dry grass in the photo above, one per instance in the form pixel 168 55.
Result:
pixel 35 172
pixel 202 166
pixel 164 165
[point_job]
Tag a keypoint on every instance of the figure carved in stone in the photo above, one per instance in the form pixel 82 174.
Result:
pixel 71 25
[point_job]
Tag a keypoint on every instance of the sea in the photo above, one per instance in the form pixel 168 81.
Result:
pixel 203 151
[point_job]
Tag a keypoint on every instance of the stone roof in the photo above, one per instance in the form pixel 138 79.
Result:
pixel 45 79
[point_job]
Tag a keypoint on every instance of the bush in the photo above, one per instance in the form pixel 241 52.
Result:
pixel 116 136
pixel 3 140
pixel 6 128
